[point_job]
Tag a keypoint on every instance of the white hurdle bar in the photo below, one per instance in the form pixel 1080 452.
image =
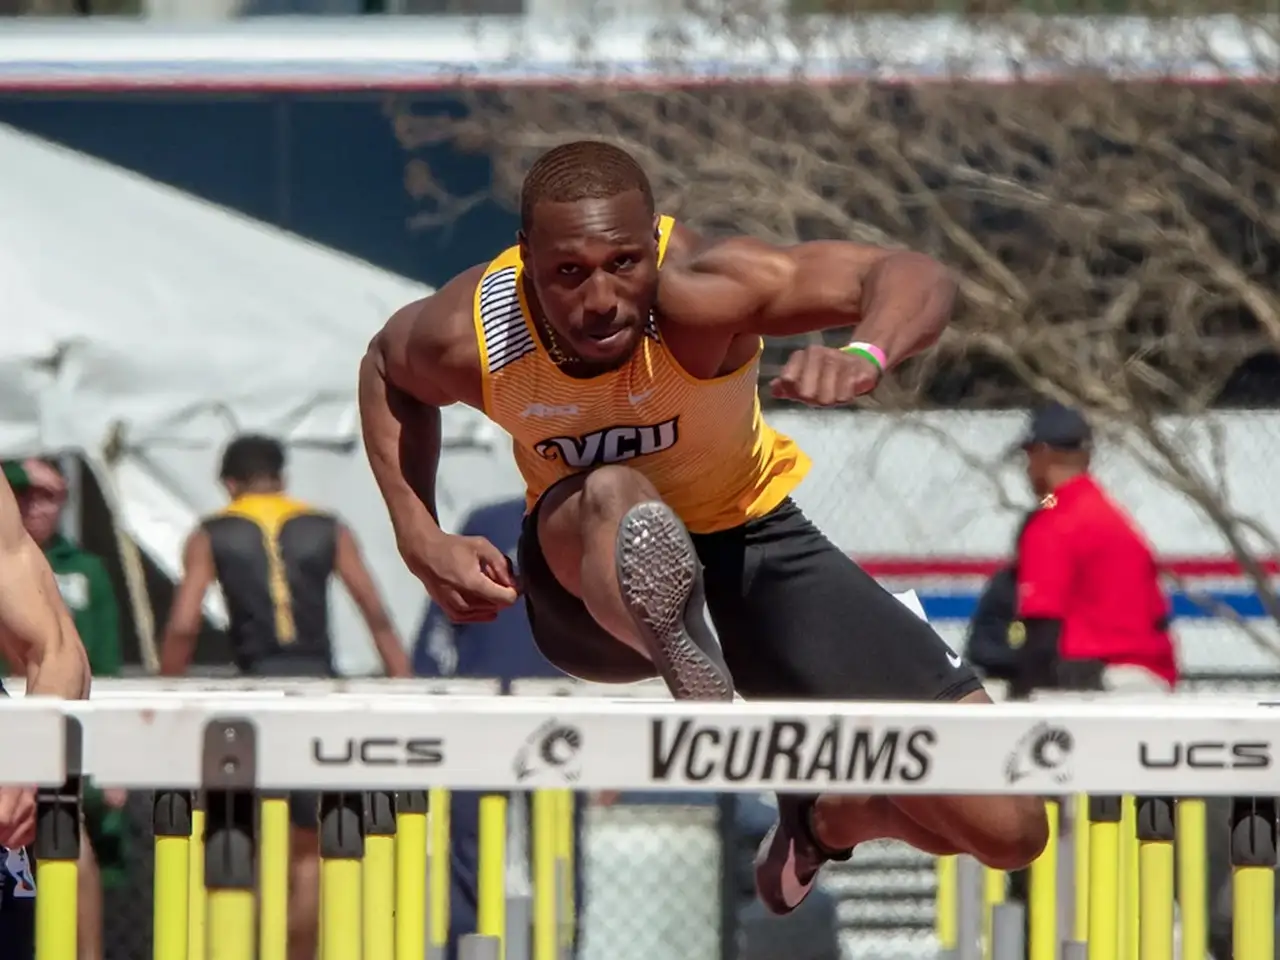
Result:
pixel 179 741
pixel 341 738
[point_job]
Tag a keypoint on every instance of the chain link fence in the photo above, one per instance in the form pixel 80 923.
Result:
pixel 931 501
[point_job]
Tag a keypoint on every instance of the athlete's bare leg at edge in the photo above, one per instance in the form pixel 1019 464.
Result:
pixel 620 350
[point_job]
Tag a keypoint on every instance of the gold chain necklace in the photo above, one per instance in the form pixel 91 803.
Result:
pixel 556 352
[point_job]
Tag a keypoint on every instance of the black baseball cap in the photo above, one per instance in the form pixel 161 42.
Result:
pixel 1059 427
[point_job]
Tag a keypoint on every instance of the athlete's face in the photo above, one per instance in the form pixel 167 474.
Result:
pixel 594 267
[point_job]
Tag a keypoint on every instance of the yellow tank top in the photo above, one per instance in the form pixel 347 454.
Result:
pixel 702 443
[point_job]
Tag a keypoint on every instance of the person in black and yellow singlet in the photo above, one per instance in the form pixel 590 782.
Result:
pixel 38 638
pixel 620 350
pixel 273 556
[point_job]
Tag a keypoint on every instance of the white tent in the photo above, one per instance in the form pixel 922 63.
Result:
pixel 142 328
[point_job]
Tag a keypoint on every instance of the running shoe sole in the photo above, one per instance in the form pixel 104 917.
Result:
pixel 661 581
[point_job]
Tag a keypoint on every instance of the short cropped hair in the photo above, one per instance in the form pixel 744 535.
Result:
pixel 581 170
pixel 252 457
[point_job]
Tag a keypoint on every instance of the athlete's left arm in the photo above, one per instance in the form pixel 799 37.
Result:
pixel 186 613
pixel 900 301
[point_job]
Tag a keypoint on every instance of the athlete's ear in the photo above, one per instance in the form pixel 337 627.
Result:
pixel 657 226
pixel 522 240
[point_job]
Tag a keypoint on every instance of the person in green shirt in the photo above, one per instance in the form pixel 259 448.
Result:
pixel 87 591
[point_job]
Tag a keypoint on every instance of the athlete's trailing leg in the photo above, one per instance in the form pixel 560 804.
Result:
pixel 1003 832
pixel 611 542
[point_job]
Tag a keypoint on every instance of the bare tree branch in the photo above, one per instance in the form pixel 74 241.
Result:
pixel 1116 224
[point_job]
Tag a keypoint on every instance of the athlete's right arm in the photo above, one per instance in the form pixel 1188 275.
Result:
pixel 425 358
pixel 36 631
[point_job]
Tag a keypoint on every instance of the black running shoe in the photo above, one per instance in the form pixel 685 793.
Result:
pixel 789 858
pixel 661 580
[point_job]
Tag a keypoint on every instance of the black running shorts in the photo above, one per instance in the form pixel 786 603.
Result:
pixel 798 620
pixel 17 906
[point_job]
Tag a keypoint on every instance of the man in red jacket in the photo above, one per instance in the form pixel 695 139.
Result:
pixel 1089 595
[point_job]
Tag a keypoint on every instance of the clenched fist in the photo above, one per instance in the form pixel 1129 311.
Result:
pixel 823 377
pixel 468 577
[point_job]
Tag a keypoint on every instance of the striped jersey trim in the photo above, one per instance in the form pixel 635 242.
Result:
pixel 506 335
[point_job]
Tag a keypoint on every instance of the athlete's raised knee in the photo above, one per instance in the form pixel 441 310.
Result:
pixel 609 492
pixel 1020 835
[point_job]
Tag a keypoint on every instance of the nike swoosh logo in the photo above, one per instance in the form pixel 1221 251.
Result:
pixel 954 659
pixel 638 398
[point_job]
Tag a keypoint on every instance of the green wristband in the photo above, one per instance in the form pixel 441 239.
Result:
pixel 868 350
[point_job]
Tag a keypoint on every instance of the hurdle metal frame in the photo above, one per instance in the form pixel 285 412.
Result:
pixel 230 744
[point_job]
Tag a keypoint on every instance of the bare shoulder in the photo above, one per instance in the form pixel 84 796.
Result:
pixel 428 348
pixel 706 281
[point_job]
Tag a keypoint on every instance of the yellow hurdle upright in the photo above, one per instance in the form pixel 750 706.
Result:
pixel 545 887
pixel 341 850
pixel 171 821
pixel 1253 878
pixel 438 799
pixel 411 875
pixel 1155 830
pixel 378 874
pixel 197 896
pixel 565 859
pixel 1104 877
pixel 57 850
pixel 230 870
pixel 273 880
pixel 1080 869
pixel 946 916
pixel 1128 948
pixel 1043 894
pixel 491 905
pixel 1191 849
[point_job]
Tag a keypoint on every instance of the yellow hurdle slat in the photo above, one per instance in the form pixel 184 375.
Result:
pixel 1043 929
pixel 1155 825
pixel 1104 877
pixel 378 875
pixel 491 903
pixel 1129 895
pixel 546 806
pixel 341 849
pixel 946 918
pixel 273 880
pixel 57 874
pixel 172 817
pixel 439 871
pixel 1193 878
pixel 411 875
pixel 231 923
pixel 197 898
pixel 58 884
pixel 1080 869
pixel 565 851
